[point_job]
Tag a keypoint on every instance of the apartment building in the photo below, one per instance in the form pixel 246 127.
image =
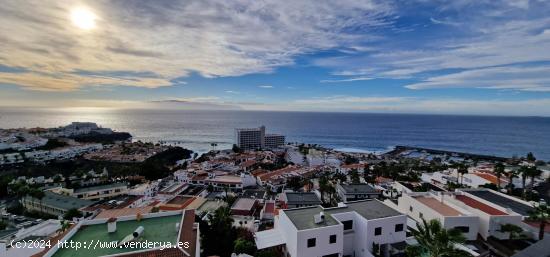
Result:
pixel 54 204
pixel 250 138
pixel 256 138
pixel 352 229
pixel 99 192
pixel 428 206
pixel 354 192
pixel 274 141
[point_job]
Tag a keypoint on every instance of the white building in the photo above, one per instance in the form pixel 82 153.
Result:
pixel 428 206
pixel 95 192
pixel 256 138
pixel 352 229
pixel 250 138
pixel 274 141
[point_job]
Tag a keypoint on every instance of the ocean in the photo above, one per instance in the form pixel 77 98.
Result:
pixel 197 129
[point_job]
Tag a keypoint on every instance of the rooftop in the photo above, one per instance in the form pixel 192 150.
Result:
pixel 63 201
pixel 358 188
pixel 438 206
pixel 100 187
pixel 244 204
pixel 302 198
pixel 505 202
pixel 303 218
pixel 479 205
pixel 161 229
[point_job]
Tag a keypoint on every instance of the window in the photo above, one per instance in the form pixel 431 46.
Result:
pixel 398 227
pixel 311 242
pixel 348 224
pixel 378 231
pixel 420 215
pixel 463 229
pixel 411 208
pixel 332 239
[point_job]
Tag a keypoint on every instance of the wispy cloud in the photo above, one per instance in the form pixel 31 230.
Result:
pixel 345 80
pixel 265 86
pixel 173 38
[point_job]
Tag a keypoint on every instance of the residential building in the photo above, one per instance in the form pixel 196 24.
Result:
pixel 516 205
pixel 354 192
pixel 291 200
pixel 244 207
pixel 54 204
pixel 256 138
pixel 99 192
pixel 352 229
pixel 274 141
pixel 427 206
pixel 250 138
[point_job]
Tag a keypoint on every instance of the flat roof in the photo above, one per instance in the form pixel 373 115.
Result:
pixel 303 218
pixel 64 202
pixel 505 202
pixel 479 205
pixel 100 187
pixel 438 206
pixel 300 198
pixel 358 189
pixel 244 204
pixel 160 229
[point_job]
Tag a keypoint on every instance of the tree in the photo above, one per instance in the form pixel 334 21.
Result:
pixel 236 149
pixel 323 187
pixel 531 157
pixel 244 246
pixel 218 232
pixel 462 169
pixel 354 176
pixel 511 175
pixel 540 214
pixel 528 172
pixel 64 226
pixel 436 241
pixel 515 231
pixel 499 170
pixel 72 213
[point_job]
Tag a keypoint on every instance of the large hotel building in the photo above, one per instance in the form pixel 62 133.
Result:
pixel 256 138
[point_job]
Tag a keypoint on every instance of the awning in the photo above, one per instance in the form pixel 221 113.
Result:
pixel 268 238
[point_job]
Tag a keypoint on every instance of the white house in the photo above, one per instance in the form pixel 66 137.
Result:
pixel 428 206
pixel 352 229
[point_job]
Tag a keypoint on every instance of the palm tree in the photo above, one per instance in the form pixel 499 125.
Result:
pixel 515 231
pixel 436 241
pixel 462 169
pixel 533 173
pixel 499 170
pixel 64 226
pixel 511 175
pixel 323 187
pixel 540 214
pixel 528 172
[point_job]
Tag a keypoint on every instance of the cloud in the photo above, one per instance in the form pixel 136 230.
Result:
pixel 173 38
pixel 265 86
pixel 444 22
pixel 345 80
pixel 517 36
pixel 530 78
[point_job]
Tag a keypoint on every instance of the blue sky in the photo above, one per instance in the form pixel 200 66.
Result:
pixel 457 57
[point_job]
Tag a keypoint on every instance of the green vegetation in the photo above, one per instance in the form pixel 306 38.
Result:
pixel 95 137
pixel 541 214
pixel 72 213
pixel 52 144
pixel 436 241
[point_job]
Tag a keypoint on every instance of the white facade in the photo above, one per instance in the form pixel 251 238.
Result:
pixel 428 206
pixel 250 138
pixel 356 238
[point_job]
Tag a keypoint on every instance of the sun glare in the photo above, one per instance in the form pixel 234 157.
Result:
pixel 83 18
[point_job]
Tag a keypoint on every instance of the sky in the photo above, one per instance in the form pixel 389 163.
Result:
pixel 482 57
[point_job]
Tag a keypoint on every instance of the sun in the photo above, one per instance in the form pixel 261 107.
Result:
pixel 83 18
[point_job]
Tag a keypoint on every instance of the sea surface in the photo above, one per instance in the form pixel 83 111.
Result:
pixel 196 130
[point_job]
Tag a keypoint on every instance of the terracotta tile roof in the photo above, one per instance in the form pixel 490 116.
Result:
pixel 491 178
pixel 479 205
pixel 438 206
